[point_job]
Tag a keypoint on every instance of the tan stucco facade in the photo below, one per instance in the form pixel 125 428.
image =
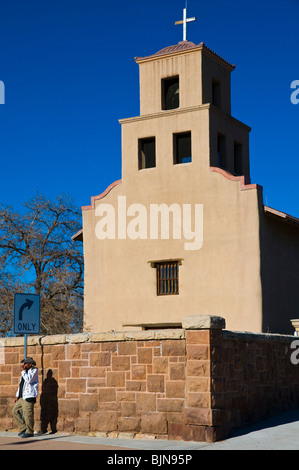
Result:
pixel 222 270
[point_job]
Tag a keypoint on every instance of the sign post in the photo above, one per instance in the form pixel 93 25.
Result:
pixel 26 316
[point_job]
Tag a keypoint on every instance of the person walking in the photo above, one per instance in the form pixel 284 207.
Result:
pixel 23 411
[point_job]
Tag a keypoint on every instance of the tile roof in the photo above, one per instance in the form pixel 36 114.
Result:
pixel 181 47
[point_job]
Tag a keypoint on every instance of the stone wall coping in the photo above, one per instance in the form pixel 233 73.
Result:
pixel 110 336
pixel 203 322
pixel 192 322
pixel 251 336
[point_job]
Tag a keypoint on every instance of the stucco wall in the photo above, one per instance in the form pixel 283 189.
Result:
pixel 194 383
pixel 222 276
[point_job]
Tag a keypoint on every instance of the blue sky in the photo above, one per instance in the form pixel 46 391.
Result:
pixel 69 73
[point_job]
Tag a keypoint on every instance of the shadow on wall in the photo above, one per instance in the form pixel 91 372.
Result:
pixel 49 403
pixel 279 273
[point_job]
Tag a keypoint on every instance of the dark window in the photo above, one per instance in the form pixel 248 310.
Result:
pixel 238 168
pixel 167 277
pixel 221 151
pixel 147 153
pixel 182 148
pixel 216 96
pixel 170 93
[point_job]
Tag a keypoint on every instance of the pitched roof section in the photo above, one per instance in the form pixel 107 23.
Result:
pixel 282 216
pixel 182 47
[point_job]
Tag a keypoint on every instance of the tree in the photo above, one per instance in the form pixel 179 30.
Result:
pixel 38 256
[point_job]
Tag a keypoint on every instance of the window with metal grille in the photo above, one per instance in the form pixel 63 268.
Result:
pixel 167 277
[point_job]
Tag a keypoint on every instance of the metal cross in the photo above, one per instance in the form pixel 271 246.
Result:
pixel 184 23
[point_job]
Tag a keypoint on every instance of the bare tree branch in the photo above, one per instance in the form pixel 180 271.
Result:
pixel 38 255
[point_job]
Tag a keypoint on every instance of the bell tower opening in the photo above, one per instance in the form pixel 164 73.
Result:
pixel 170 93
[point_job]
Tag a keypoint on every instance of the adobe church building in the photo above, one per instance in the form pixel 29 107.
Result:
pixel 185 232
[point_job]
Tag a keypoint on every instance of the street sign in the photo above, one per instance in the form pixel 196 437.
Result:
pixel 26 314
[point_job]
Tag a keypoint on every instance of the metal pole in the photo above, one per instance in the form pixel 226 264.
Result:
pixel 25 346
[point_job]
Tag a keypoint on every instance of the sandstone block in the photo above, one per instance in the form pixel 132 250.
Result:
pixel 105 421
pixel 145 356
pixel 12 358
pixel 200 322
pixel 68 408
pixel 145 402
pixel 173 405
pixel 93 385
pixel 127 424
pixel 4 411
pixel 53 339
pixel 177 371
pixel 198 337
pixel 7 391
pixel 154 423
pixel 173 348
pixel 120 363
pixel 160 365
pixel 82 425
pixel 90 347
pixel 107 394
pixel 7 423
pixel 88 402
pixel 175 389
pixel 112 347
pixel 125 396
pixel 176 431
pixel 138 372
pixel 92 371
pixel 198 368
pixel 128 409
pixel 198 384
pixel 58 352
pixel 155 383
pixel 135 385
pixel 76 385
pixel 116 379
pixel 64 369
pixel 5 379
pixel 198 352
pixel 73 351
pixel 99 359
pixel 195 433
pixel 198 416
pixel 111 336
pixel 127 348
pixel 204 416
pixel 199 400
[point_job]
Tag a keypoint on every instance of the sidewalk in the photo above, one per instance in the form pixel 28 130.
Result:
pixel 277 433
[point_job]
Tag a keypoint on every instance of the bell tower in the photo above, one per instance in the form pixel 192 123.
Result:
pixel 185 89
pixel 180 231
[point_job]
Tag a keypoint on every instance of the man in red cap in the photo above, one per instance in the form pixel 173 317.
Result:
pixel 23 411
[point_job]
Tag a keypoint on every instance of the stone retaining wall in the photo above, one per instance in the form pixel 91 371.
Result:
pixel 194 383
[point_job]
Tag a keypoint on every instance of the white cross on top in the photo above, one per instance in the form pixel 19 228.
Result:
pixel 184 23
